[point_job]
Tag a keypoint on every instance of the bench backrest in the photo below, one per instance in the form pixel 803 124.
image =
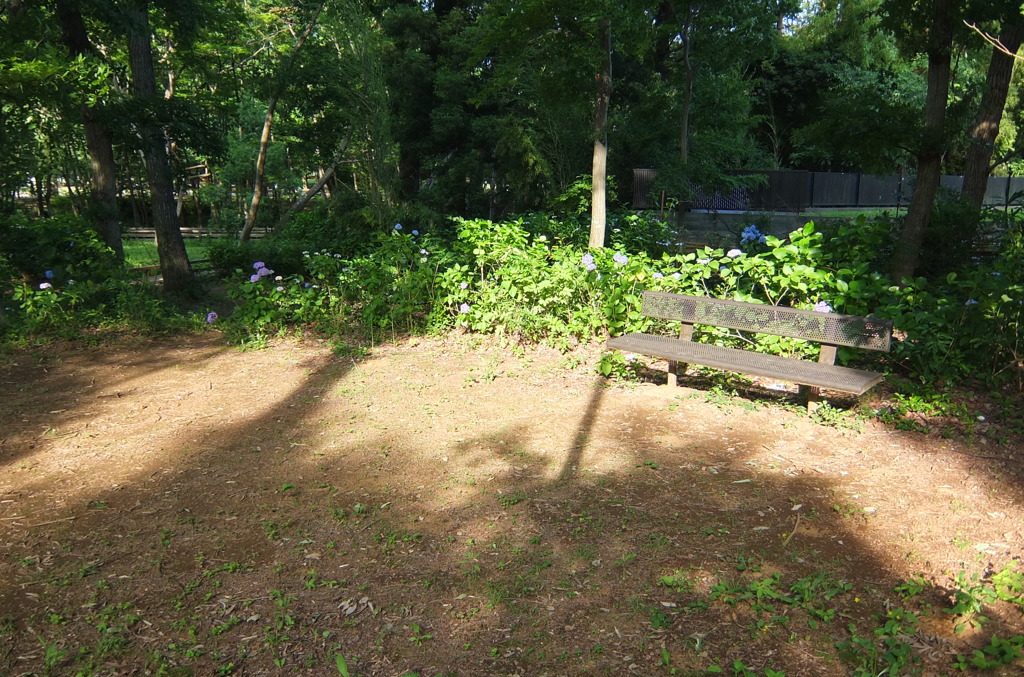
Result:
pixel 829 328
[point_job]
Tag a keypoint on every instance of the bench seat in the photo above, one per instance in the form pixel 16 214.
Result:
pixel 802 372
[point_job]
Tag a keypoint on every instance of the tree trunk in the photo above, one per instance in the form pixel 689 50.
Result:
pixel 599 168
pixel 174 264
pixel 259 189
pixel 325 176
pixel 929 155
pixel 103 179
pixel 986 125
pixel 687 106
pixel 684 116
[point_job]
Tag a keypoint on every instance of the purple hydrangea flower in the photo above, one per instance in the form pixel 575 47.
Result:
pixel 657 275
pixel 822 307
pixel 264 271
pixel 464 285
pixel 588 261
pixel 211 318
pixel 464 308
pixel 258 265
pixel 620 258
pixel 254 278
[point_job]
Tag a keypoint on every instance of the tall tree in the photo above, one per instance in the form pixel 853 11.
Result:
pixel 599 166
pixel 704 56
pixel 259 188
pixel 978 165
pixel 174 263
pixel 944 14
pixel 97 137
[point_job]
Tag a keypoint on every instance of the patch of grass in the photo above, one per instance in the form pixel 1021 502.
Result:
pixel 512 498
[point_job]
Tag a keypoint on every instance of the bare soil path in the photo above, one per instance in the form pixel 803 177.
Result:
pixel 455 507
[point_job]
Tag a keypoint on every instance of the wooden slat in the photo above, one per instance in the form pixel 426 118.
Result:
pixel 802 372
pixel 832 328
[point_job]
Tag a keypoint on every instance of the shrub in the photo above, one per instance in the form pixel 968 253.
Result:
pixel 508 279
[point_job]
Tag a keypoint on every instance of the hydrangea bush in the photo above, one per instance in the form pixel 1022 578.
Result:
pixel 501 278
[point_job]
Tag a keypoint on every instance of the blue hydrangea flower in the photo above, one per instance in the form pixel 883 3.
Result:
pixel 415 232
pixel 620 258
pixel 588 261
pixel 398 226
pixel 657 275
pixel 971 302
pixel 752 234
pixel 48 275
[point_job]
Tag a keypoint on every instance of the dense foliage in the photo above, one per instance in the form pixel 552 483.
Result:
pixel 427 166
pixel 519 280
pixel 479 110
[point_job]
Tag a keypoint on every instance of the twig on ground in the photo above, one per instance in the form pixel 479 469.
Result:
pixel 792 533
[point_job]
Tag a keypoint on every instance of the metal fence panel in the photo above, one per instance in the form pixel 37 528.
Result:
pixel 1016 185
pixel 796 190
pixel 643 187
pixel 834 189
pixel 951 183
pixel 882 191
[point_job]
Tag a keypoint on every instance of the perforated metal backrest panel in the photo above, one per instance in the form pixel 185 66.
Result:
pixel 832 328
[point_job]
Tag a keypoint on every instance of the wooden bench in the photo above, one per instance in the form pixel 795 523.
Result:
pixel 831 330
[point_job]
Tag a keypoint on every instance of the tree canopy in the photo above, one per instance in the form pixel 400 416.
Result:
pixel 385 108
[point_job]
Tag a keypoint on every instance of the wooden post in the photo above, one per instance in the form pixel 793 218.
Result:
pixel 685 334
pixel 813 394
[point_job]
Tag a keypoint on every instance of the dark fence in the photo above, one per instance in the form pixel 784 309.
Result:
pixel 797 190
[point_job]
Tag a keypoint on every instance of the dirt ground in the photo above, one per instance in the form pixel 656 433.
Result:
pixel 461 508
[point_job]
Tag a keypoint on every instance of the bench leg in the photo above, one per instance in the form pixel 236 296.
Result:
pixel 674 369
pixel 813 396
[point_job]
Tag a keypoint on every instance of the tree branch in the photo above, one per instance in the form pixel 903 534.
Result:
pixel 994 41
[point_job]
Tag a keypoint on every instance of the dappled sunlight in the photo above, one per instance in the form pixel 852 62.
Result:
pixel 514 513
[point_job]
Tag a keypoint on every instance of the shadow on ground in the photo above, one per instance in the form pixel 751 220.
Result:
pixel 441 509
